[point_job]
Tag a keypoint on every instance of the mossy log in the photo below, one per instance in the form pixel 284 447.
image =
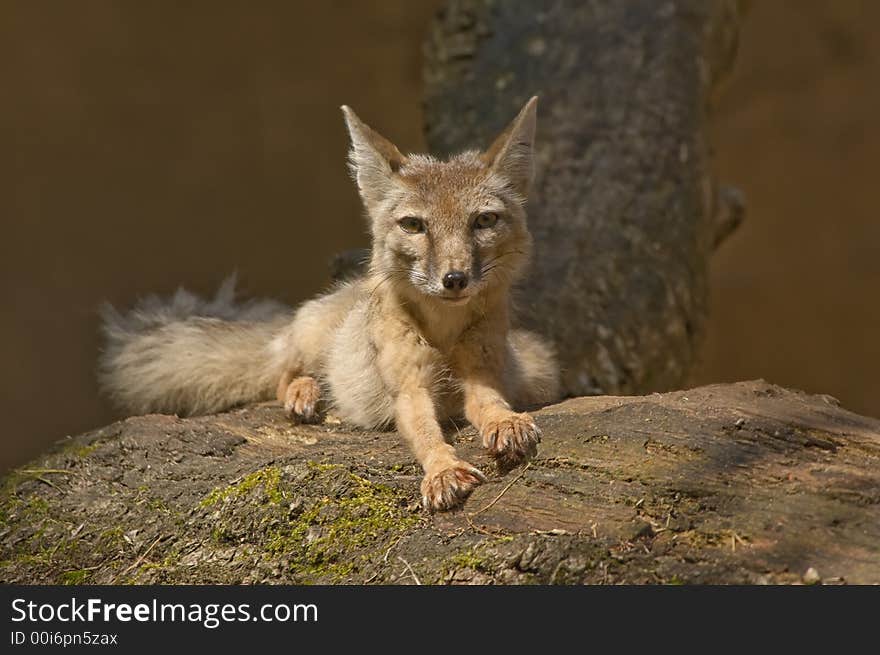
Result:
pixel 736 483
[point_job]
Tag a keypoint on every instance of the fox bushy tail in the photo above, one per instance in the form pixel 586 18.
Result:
pixel 187 355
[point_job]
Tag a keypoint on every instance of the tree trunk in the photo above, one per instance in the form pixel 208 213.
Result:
pixel 625 212
pixel 726 484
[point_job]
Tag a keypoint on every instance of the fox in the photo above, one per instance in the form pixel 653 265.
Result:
pixel 424 336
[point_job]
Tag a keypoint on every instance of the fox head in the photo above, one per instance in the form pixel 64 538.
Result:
pixel 449 229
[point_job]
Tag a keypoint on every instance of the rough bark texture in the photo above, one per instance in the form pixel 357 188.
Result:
pixel 625 212
pixel 727 484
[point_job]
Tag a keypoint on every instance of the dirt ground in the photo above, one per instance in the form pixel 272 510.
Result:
pixel 153 146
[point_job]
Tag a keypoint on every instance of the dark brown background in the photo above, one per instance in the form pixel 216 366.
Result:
pixel 145 146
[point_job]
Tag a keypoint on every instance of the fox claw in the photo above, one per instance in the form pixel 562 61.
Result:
pixel 301 398
pixel 512 439
pixel 450 487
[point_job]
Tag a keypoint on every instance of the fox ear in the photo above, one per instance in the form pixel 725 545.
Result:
pixel 373 159
pixel 510 155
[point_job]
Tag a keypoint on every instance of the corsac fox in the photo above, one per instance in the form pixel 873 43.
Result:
pixel 423 336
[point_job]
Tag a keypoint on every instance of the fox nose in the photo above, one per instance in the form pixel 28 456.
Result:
pixel 457 280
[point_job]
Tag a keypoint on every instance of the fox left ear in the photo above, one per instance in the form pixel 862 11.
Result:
pixel 373 159
pixel 510 155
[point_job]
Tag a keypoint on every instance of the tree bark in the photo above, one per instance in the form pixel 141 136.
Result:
pixel 734 483
pixel 625 211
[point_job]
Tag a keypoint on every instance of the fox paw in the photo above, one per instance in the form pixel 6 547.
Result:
pixel 512 439
pixel 450 487
pixel 301 398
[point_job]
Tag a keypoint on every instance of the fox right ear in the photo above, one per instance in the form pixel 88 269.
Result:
pixel 511 153
pixel 373 159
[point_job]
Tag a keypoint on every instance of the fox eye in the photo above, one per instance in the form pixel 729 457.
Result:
pixel 411 225
pixel 485 220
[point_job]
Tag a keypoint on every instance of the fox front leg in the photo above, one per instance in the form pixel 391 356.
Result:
pixel 509 436
pixel 448 480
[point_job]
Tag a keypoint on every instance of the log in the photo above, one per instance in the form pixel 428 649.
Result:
pixel 625 210
pixel 739 483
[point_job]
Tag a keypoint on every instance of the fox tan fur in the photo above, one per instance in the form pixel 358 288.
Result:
pixel 424 336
